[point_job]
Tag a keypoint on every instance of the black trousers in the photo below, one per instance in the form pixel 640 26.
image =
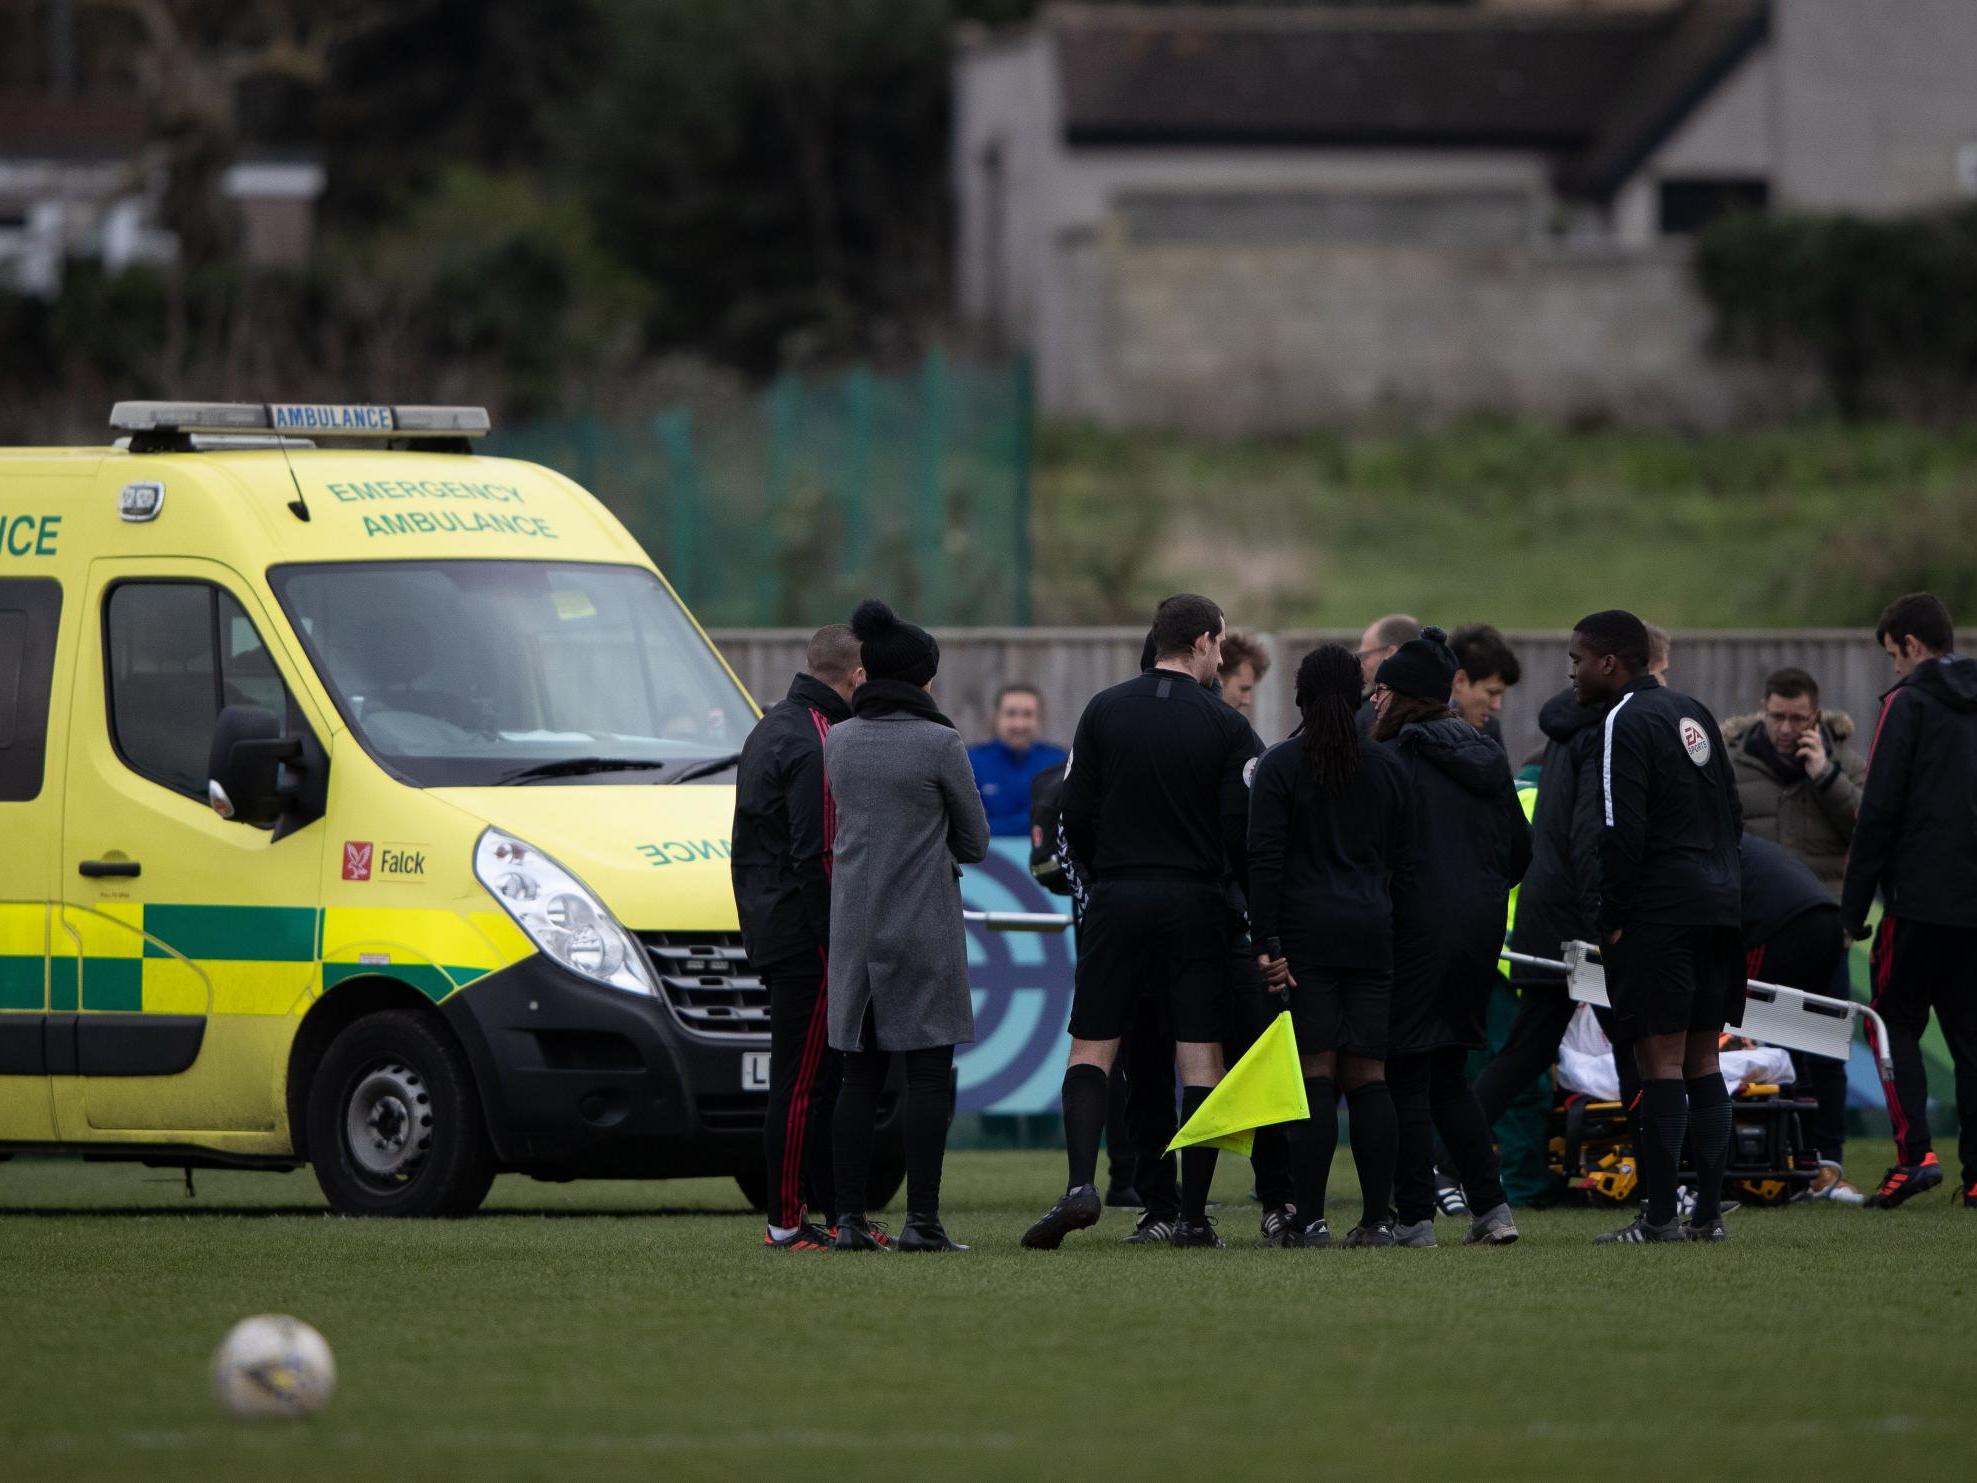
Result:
pixel 804 1074
pixel 1120 1157
pixel 1432 1095
pixel 1809 953
pixel 1919 966
pixel 929 1110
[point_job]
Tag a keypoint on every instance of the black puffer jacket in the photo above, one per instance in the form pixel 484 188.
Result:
pixel 1916 841
pixel 1468 845
pixel 784 826
pixel 1559 900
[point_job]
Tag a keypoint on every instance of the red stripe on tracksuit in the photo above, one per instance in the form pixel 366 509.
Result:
pixel 1754 962
pixel 1883 963
pixel 816 1039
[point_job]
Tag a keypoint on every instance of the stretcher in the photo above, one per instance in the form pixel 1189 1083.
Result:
pixel 1773 1013
pixel 1769 1159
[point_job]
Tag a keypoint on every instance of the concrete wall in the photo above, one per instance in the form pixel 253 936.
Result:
pixel 1105 206
pixel 1725 670
pixel 1334 282
pixel 1243 338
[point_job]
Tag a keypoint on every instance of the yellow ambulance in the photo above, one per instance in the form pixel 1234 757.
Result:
pixel 365 803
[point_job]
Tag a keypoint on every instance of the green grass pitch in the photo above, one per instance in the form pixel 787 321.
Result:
pixel 585 1331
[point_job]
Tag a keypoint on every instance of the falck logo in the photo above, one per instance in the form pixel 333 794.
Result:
pixel 1695 741
pixel 356 860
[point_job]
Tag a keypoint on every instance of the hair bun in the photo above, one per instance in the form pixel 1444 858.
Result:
pixel 1435 635
pixel 873 618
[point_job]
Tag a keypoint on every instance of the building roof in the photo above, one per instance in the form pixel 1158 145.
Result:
pixel 1597 89
pixel 48 126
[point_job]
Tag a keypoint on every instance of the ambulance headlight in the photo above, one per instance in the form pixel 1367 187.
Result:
pixel 560 914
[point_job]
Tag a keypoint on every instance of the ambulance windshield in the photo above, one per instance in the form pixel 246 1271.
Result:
pixel 470 673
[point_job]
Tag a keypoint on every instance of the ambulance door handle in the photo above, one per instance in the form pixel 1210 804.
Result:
pixel 96 869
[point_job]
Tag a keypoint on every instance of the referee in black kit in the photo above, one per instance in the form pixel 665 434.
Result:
pixel 1155 814
pixel 1671 914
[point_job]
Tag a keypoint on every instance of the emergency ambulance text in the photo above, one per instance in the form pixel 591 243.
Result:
pixel 419 522
pixel 369 489
pixel 683 851
pixel 28 535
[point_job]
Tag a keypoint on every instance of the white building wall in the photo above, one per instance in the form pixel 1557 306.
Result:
pixel 1875 98
pixel 1730 134
pixel 1006 100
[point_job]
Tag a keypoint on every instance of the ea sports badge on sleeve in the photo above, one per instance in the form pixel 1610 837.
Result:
pixel 1695 740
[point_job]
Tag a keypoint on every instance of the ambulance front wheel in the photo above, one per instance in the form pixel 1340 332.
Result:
pixel 395 1126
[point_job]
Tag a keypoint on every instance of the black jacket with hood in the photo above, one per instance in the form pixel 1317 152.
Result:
pixel 1323 871
pixel 1559 899
pixel 1916 841
pixel 784 827
pixel 1468 845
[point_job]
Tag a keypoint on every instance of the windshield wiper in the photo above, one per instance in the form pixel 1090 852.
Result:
pixel 570 767
pixel 704 769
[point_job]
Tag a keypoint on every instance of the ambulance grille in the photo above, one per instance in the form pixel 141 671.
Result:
pixel 707 980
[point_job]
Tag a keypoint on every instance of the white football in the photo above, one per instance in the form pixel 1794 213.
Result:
pixel 273 1365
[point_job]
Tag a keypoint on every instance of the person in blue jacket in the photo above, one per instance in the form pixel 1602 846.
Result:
pixel 1005 764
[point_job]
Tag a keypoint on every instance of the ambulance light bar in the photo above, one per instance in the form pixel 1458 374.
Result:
pixel 325 419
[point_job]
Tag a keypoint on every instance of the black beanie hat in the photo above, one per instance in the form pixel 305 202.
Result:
pixel 1423 668
pixel 891 648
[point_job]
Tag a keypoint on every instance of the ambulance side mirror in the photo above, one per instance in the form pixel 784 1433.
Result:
pixel 244 767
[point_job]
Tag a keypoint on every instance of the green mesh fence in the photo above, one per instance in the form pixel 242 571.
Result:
pixel 787 507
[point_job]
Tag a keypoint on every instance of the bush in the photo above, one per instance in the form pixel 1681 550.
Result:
pixel 1886 309
pixel 494 268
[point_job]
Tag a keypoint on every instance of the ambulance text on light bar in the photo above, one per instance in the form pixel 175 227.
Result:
pixel 325 419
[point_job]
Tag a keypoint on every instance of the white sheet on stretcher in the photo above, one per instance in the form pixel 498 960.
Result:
pixel 1585 1062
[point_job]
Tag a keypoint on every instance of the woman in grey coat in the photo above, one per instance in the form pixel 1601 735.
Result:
pixel 907 811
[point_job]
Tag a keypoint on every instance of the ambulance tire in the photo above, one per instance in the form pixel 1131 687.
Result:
pixel 399 1075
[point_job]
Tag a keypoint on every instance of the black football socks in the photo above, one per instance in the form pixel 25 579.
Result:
pixel 1313 1142
pixel 1664 1121
pixel 1709 1135
pixel 1086 1089
pixel 1375 1147
pixel 1197 1161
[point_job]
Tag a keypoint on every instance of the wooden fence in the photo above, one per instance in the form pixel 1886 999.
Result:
pixel 1724 669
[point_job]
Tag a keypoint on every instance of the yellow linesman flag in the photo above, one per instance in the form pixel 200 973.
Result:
pixel 1266 1086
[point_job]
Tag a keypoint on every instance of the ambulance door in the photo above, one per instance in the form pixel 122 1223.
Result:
pixel 30 829
pixel 195 938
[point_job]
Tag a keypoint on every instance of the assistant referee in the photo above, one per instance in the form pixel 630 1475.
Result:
pixel 1155 816
pixel 1670 917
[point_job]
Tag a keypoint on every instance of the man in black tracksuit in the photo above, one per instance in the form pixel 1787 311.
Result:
pixel 1792 937
pixel 1916 843
pixel 784 826
pixel 1671 914
pixel 1155 815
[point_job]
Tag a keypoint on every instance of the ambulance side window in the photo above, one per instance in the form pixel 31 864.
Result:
pixel 30 613
pixel 176 653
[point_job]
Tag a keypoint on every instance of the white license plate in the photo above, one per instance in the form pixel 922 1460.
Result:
pixel 755 1071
